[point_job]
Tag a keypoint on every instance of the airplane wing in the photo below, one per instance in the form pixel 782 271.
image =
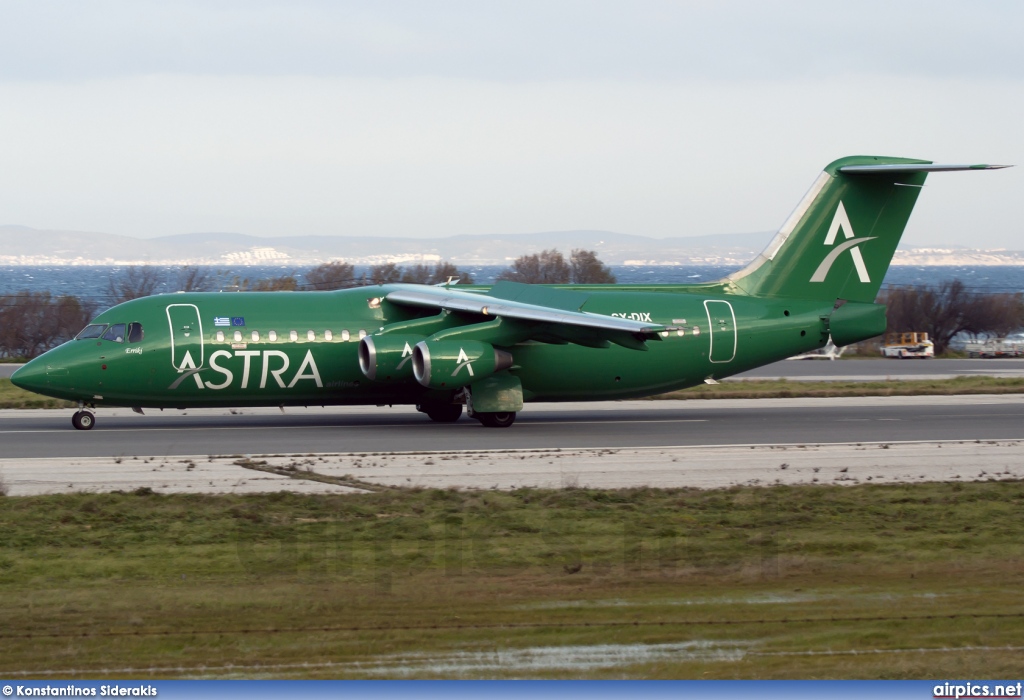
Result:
pixel 557 317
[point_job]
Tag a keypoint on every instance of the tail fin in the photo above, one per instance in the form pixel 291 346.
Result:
pixel 840 240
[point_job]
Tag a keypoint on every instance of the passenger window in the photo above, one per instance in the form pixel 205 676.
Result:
pixel 238 336
pixel 255 336
pixel 115 333
pixel 93 330
pixel 135 332
pixel 345 336
pixel 272 335
pixel 310 336
pixel 328 335
pixel 362 334
pixel 220 336
pixel 293 336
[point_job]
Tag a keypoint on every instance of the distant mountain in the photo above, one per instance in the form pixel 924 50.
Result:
pixel 20 245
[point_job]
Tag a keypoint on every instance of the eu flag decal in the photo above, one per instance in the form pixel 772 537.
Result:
pixel 237 321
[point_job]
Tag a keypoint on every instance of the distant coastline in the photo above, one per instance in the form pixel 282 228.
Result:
pixel 21 246
pixel 261 257
pixel 92 282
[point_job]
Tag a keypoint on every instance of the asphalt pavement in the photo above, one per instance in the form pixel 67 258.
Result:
pixel 119 432
pixel 696 443
pixel 870 369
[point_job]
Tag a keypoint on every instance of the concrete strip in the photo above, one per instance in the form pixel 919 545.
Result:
pixel 661 467
pixel 703 467
pixel 33 477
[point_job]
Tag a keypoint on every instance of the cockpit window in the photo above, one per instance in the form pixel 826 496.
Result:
pixel 135 332
pixel 93 330
pixel 115 333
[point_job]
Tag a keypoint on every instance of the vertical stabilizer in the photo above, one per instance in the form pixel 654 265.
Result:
pixel 839 241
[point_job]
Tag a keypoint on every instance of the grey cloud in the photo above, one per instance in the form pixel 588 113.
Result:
pixel 527 40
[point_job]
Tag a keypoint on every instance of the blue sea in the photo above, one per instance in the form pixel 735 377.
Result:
pixel 92 283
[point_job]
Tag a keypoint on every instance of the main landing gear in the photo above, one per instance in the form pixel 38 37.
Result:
pixel 502 419
pixel 83 420
pixel 451 412
pixel 441 412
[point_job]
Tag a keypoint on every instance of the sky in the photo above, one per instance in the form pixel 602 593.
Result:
pixel 447 117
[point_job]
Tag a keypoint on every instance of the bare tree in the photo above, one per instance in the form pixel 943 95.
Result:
pixel 445 271
pixel 283 283
pixel 440 273
pixel 192 278
pixel 33 322
pixel 384 274
pixel 417 274
pixel 332 275
pixel 546 267
pixel 949 309
pixel 134 282
pixel 587 268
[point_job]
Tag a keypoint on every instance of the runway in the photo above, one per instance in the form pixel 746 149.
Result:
pixel 873 369
pixel 119 432
pixel 655 443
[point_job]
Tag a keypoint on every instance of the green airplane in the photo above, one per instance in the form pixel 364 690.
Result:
pixel 494 348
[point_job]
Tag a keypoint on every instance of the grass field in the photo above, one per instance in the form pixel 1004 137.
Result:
pixel 787 388
pixel 897 581
pixel 13 397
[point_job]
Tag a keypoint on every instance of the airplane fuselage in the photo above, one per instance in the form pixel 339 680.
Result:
pixel 301 348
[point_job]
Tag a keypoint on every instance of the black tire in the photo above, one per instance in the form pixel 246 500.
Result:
pixel 443 412
pixel 496 420
pixel 83 420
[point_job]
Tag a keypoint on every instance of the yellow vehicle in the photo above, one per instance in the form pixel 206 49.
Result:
pixel 908 345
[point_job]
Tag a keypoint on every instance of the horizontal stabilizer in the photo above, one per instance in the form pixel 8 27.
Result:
pixel 913 168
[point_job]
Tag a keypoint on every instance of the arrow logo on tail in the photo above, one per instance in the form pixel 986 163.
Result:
pixel 841 222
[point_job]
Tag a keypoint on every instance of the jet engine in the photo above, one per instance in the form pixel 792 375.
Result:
pixel 387 358
pixel 451 364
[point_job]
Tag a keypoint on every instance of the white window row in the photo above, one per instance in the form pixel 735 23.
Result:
pixel 293 336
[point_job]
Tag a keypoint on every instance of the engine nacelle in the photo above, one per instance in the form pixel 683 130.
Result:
pixel 451 364
pixel 387 358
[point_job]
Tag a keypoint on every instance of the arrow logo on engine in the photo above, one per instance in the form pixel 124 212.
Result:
pixel 406 355
pixel 463 361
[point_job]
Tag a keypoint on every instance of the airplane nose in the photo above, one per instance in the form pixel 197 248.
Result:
pixel 31 377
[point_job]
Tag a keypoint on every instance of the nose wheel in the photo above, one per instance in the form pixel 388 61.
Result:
pixel 83 420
